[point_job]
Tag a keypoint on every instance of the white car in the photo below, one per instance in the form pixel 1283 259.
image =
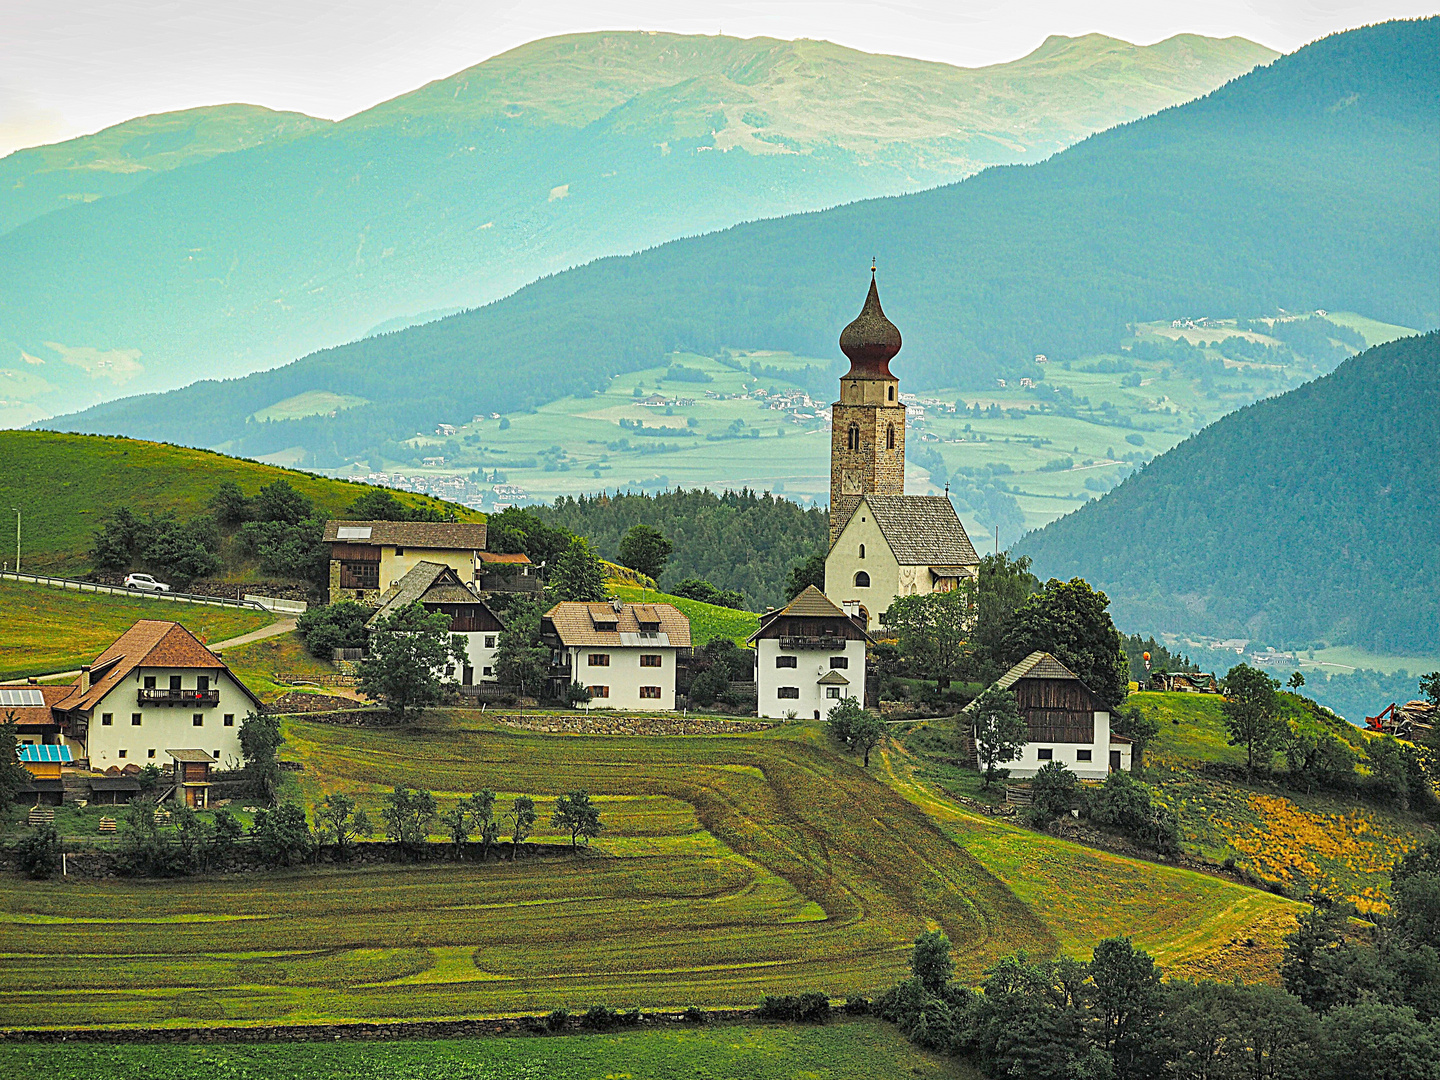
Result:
pixel 145 583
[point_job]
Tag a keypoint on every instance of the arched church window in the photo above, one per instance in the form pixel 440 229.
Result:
pixel 862 551
pixel 853 437
pixel 890 437
pixel 862 580
pixel 892 393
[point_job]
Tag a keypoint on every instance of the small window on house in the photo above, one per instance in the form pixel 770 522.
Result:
pixel 650 692
pixel 832 692
pixel 489 641
pixel 651 660
pixel 229 719
pixel 198 720
pixel 150 753
pixel 174 682
pixel 839 662
pixel 787 691
pixel 202 683
pixel 599 659
pixel 215 754
pixel 598 691
pixel 489 671
pixel 787 661
pixel 862 551
pixel 890 437
pixel 862 579
pixel 1045 753
pixel 399 551
pixel 106 719
pixel 449 669
pixel 122 753
pixel 149 682
pixel 852 437
pixel 135 719
pixel 1082 755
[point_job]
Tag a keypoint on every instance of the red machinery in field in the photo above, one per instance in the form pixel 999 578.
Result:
pixel 1403 721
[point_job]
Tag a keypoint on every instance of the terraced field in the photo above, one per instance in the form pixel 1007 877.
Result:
pixel 731 866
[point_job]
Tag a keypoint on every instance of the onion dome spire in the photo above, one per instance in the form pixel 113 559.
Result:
pixel 872 340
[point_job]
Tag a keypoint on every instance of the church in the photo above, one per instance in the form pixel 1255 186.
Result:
pixel 883 543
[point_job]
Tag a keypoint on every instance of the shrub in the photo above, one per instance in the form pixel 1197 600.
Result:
pixel 600 1018
pixel 334 626
pixel 557 1020
pixel 1124 803
pixel 37 853
pixel 810 1007
pixel 281 836
pixel 695 1015
pixel 1053 791
pixel 856 1006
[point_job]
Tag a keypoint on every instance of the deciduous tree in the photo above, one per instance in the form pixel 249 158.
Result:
pixel 932 631
pixel 1069 620
pixel 578 574
pixel 338 822
pixel 260 738
pixel 578 815
pixel 408 813
pixel 1000 731
pixel 522 821
pixel 1250 709
pixel 407 657
pixel 646 549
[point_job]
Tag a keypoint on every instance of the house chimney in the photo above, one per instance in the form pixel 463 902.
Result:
pixel 84 678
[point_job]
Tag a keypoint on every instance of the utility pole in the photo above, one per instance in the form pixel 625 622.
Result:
pixel 17 538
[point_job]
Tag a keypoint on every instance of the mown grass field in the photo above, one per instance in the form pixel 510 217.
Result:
pixel 707 621
pixel 846 1050
pixel 730 867
pixel 49 629
pixel 1319 841
pixel 258 662
pixel 65 485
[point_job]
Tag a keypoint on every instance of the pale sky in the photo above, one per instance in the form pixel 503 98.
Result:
pixel 67 68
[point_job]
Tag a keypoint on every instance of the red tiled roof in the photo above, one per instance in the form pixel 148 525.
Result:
pixel 150 643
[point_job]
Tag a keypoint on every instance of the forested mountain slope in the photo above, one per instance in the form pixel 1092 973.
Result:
pixel 1306 184
pixel 118 159
pixel 1307 517
pixel 540 159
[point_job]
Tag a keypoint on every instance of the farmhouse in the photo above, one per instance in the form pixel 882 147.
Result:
pixel 437 587
pixel 810 656
pixel 367 557
pixel 624 654
pixel 883 543
pixel 32 708
pixel 155 687
pixel 1067 722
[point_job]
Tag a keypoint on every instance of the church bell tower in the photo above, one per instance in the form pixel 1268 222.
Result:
pixel 867 440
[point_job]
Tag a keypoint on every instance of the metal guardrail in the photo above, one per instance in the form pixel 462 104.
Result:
pixel 120 590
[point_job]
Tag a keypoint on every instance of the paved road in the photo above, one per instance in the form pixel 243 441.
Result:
pixel 284 626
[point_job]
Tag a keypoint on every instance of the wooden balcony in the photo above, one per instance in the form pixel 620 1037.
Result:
pixel 830 641
pixel 157 695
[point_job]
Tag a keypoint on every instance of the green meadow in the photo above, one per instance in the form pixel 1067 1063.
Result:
pixel 729 867
pixel 50 629
pixel 844 1050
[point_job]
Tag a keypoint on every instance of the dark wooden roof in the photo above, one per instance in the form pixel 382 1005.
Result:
pixel 436 535
pixel 871 340
pixel 810 605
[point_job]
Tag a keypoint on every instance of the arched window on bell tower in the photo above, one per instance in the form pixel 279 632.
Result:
pixel 890 437
pixel 892 393
pixel 853 437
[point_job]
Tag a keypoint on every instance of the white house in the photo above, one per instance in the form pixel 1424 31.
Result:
pixel 809 657
pixel 624 654
pixel 1068 722
pixel 898 545
pixel 155 691
pixel 437 587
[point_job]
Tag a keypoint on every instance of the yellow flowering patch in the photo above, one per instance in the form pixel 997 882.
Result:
pixel 1346 853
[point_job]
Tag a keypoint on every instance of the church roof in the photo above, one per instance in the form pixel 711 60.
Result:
pixel 871 340
pixel 922 530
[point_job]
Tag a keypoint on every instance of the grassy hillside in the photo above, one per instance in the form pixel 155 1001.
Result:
pixel 65 485
pixel 548 156
pixel 41 179
pixel 847 1050
pixel 707 621
pixel 1301 521
pixel 1322 842
pixel 49 630
pixel 730 866
pixel 1231 204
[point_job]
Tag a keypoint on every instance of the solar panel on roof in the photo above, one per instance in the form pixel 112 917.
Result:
pixel 353 532
pixel 21 696
pixel 32 752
